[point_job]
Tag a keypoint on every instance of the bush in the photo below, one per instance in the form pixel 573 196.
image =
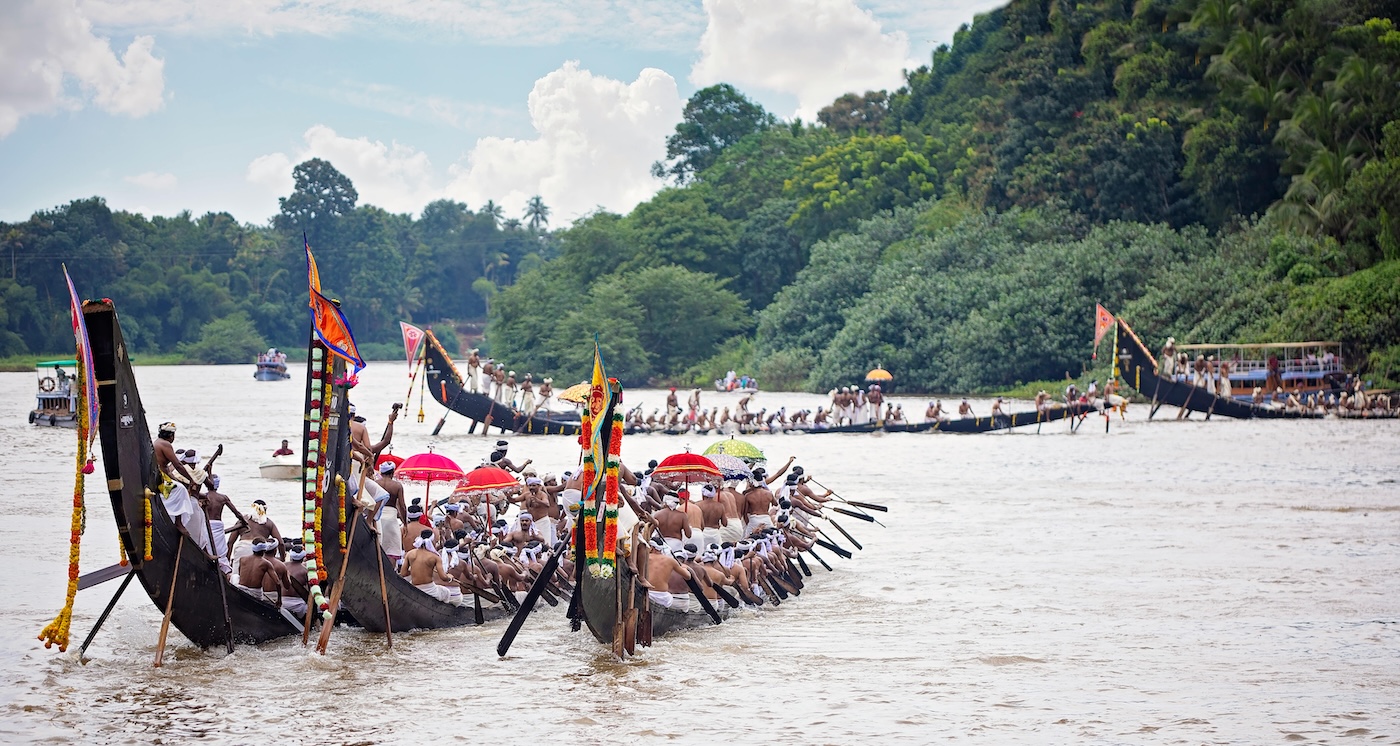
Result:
pixel 232 339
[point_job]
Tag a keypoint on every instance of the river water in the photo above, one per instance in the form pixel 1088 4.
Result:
pixel 1165 582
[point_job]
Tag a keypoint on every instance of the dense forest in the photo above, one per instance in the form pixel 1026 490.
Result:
pixel 1214 170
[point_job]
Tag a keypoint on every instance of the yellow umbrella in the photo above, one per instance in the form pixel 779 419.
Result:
pixel 879 374
pixel 578 393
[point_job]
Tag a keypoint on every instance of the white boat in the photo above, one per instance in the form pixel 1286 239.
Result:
pixel 281 467
pixel 56 404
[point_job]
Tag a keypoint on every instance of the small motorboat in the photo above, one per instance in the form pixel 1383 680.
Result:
pixel 56 404
pixel 281 467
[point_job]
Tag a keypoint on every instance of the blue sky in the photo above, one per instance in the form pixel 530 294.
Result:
pixel 166 105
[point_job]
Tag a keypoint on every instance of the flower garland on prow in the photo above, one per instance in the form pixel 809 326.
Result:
pixel 589 509
pixel 312 480
pixel 56 632
pixel 612 494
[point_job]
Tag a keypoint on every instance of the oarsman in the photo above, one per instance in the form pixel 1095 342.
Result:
pixel 876 399
pixel 742 410
pixel 689 557
pixel 1042 401
pixel 511 389
pixel 256 526
pixel 501 395
pixel 694 404
pixel 527 395
pixel 473 370
pixel 452 571
pixel 997 411
pixel 1198 372
pixel 1093 391
pixel 673 523
pixel 965 410
pixel 673 405
pixel 416 522
pixel 1224 388
pixel 451 518
pixel 299 587
pixel 359 435
pixel 1071 393
pixel 524 534
pixel 665 579
pixel 289 600
pixel 394 487
pixel 1258 397
pixel 505 463
pixel 821 421
pixel 538 503
pixel 214 503
pixel 1166 362
pixel 758 504
pixel 256 575
pixel 488 377
pixel 546 392
pixel 898 416
pixel 182 508
pixel 712 516
pixel 423 567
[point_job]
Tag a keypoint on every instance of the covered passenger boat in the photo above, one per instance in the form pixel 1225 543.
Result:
pixel 446 385
pixel 148 535
pixel 56 399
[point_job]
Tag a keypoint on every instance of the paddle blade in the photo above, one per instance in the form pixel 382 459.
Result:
pixel 526 605
pixel 853 514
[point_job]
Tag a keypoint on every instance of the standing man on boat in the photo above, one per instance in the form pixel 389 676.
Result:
pixel 546 391
pixel 965 410
pixel 488 376
pixel 527 395
pixel 385 479
pixel 214 503
pixel 473 370
pixel 183 510
pixel 673 405
pixel 694 404
pixel 1166 362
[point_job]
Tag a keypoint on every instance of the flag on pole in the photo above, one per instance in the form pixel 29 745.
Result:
pixel 412 335
pixel 330 324
pixel 1103 321
pixel 80 335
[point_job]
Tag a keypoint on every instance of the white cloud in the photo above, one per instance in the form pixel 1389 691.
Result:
pixel 815 50
pixel 47 44
pixel 645 23
pixel 153 180
pixel 596 140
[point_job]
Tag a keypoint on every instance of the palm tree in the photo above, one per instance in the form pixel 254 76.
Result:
pixel 493 210
pixel 536 214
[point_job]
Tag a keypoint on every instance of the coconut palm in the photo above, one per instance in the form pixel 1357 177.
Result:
pixel 493 210
pixel 536 214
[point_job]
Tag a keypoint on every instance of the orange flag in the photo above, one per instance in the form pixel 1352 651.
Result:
pixel 1103 321
pixel 330 324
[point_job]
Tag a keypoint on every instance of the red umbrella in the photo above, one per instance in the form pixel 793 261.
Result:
pixel 428 467
pixel 686 467
pixel 486 479
pixel 389 458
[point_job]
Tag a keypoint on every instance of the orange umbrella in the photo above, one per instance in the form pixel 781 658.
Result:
pixel 879 374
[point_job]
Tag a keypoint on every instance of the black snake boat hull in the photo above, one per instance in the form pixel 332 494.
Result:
pixel 1138 367
pixel 445 384
pixel 128 458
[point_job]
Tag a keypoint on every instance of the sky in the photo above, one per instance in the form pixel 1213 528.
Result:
pixel 160 106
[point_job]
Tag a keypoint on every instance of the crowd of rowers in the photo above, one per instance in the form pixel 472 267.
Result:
pixel 737 533
pixel 1213 376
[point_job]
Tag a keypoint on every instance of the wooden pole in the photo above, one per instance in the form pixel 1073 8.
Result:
pixel 169 602
pixel 103 618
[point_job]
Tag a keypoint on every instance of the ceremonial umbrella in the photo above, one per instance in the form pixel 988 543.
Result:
pixel 731 467
pixel 428 467
pixel 740 448
pixel 685 467
pixel 389 458
pixel 483 480
pixel 878 375
pixel 577 393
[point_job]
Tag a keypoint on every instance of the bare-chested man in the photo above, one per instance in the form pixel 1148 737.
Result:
pixel 965 410
pixel 546 392
pixel 257 576
pixel 414 524
pixel 666 579
pixel 182 507
pixel 758 503
pixel 524 534
pixel 538 502
pixel 473 370
pixel 527 395
pixel 504 462
pixel 256 526
pixel 674 524
pixel 394 487
pixel 499 383
pixel 488 377
pixel 712 516
pixel 423 567
pixel 300 580
pixel 359 435
pixel 214 503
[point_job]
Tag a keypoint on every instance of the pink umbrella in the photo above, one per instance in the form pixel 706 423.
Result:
pixel 428 467
pixel 484 480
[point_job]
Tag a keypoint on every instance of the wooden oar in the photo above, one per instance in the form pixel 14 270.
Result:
pixel 803 564
pixel 223 581
pixel 699 595
pixel 383 586
pixel 837 526
pixel 818 558
pixel 97 577
pixel 838 550
pixel 863 517
pixel 529 603
pixel 867 506
pixel 169 602
pixel 103 618
pixel 449 409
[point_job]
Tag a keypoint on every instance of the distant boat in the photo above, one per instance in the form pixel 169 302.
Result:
pixel 740 384
pixel 56 402
pixel 272 366
pixel 281 467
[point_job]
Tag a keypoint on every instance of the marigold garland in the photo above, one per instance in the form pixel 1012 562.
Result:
pixel 148 525
pixel 56 632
